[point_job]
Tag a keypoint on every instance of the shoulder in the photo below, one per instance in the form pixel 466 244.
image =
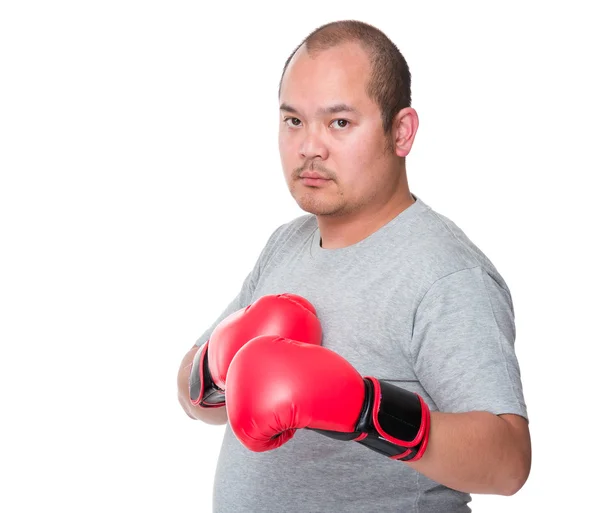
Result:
pixel 296 228
pixel 439 248
pixel 306 223
pixel 287 234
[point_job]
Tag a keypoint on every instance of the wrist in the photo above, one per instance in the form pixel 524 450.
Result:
pixel 394 421
pixel 202 389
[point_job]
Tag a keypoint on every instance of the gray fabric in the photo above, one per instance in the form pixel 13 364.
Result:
pixel 416 304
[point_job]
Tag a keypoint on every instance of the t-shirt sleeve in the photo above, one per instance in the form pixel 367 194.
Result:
pixel 245 294
pixel 463 345
pixel 240 301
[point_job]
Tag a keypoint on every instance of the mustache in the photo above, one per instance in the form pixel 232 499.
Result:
pixel 312 166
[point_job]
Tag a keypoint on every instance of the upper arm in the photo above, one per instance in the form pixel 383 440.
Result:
pixel 245 294
pixel 463 345
pixel 520 427
pixel 521 436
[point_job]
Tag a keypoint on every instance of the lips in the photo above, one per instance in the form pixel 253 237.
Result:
pixel 312 174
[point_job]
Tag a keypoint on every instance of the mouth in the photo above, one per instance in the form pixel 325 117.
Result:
pixel 314 182
pixel 313 175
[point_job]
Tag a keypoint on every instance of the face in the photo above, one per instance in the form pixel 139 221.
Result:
pixel 329 127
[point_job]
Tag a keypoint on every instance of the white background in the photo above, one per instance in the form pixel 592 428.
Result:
pixel 140 178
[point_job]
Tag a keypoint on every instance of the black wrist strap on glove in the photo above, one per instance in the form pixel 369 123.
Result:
pixel 203 391
pixel 393 422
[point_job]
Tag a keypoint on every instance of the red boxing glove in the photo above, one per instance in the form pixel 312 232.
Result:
pixel 277 385
pixel 286 315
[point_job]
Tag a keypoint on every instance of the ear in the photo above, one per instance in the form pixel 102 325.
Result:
pixel 404 130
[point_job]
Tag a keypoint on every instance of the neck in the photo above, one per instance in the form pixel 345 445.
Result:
pixel 340 232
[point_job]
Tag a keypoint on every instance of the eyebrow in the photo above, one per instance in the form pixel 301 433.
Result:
pixel 334 109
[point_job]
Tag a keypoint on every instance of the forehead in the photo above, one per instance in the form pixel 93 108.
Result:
pixel 335 75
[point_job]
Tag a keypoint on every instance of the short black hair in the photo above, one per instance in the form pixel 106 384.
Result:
pixel 389 84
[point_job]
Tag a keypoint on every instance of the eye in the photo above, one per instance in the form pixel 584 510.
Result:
pixel 295 121
pixel 341 123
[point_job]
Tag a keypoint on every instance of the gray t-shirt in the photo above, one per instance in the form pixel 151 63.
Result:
pixel 416 304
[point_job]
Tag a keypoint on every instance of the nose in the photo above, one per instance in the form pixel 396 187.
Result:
pixel 312 146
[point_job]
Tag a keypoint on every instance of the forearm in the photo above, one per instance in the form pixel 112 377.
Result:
pixel 207 415
pixel 475 452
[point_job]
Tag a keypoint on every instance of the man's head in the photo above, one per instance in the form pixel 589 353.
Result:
pixel 345 115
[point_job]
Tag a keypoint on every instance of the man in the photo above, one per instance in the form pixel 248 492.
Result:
pixel 402 294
